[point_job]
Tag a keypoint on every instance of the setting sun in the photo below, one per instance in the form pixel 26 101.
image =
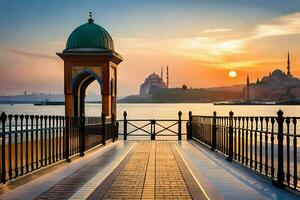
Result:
pixel 232 74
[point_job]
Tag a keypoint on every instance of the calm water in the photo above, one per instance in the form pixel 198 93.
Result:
pixel 169 111
pixel 162 111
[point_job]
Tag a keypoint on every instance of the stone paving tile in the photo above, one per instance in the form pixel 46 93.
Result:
pixel 215 179
pixel 169 183
pixel 67 187
pixel 149 184
pixel 44 181
pixel 129 183
pixel 151 173
pixel 195 189
pixel 228 179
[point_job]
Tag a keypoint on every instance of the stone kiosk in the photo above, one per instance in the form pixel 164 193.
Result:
pixel 89 55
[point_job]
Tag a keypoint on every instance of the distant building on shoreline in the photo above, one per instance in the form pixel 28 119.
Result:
pixel 277 86
pixel 153 81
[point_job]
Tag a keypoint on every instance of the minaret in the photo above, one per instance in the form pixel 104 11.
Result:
pixel 248 89
pixel 161 73
pixel 288 65
pixel 167 76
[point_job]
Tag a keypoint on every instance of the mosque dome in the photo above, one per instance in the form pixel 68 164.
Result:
pixel 89 37
pixel 277 73
pixel 153 76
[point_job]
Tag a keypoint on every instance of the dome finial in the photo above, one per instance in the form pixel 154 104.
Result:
pixel 91 20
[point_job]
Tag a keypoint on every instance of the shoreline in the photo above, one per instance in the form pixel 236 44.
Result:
pixel 214 103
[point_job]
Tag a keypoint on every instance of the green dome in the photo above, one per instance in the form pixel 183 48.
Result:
pixel 90 36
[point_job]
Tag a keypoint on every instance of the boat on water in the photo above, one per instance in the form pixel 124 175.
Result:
pixel 59 103
pixel 49 103
pixel 246 103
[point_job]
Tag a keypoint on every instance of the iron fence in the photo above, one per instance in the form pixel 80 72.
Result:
pixel 30 142
pixel 269 144
pixel 143 129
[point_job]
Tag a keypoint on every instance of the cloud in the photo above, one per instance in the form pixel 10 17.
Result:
pixel 218 30
pixel 147 35
pixel 210 48
pixel 206 49
pixel 285 25
pixel 216 49
pixel 246 63
pixel 30 54
pixel 228 47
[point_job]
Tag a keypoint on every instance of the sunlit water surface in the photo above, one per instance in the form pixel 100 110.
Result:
pixel 159 111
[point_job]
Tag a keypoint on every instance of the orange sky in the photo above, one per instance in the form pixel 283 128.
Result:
pixel 199 50
pixel 205 60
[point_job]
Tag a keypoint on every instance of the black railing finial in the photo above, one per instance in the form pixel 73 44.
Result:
pixel 179 113
pixel 280 113
pixel 231 113
pixel 3 116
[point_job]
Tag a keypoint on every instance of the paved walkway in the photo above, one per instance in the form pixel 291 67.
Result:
pixel 100 163
pixel 149 170
pixel 151 173
pixel 222 179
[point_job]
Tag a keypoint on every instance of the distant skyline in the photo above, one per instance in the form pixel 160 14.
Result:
pixel 201 41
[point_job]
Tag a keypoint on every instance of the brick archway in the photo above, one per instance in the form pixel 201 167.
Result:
pixel 81 69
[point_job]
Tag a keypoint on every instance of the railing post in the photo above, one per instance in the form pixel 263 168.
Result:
pixel 280 172
pixel 3 166
pixel 187 130
pixel 179 125
pixel 103 118
pixel 117 130
pixel 113 127
pixel 190 127
pixel 67 138
pixel 230 132
pixel 214 132
pixel 125 125
pixel 152 129
pixel 82 134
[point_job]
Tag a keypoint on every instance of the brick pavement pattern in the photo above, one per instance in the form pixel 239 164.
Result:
pixel 169 183
pixel 151 173
pixel 129 183
pixel 68 186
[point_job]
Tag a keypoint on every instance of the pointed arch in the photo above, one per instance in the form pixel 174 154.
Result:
pixel 79 86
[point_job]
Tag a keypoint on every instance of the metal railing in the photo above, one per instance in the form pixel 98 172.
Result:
pixel 268 145
pixel 164 129
pixel 30 142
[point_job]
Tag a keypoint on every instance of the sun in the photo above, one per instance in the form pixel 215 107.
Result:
pixel 232 74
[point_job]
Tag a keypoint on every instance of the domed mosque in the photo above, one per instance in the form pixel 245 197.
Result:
pixel 277 86
pixel 153 81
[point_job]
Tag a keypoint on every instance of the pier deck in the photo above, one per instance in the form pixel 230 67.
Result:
pixel 148 170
